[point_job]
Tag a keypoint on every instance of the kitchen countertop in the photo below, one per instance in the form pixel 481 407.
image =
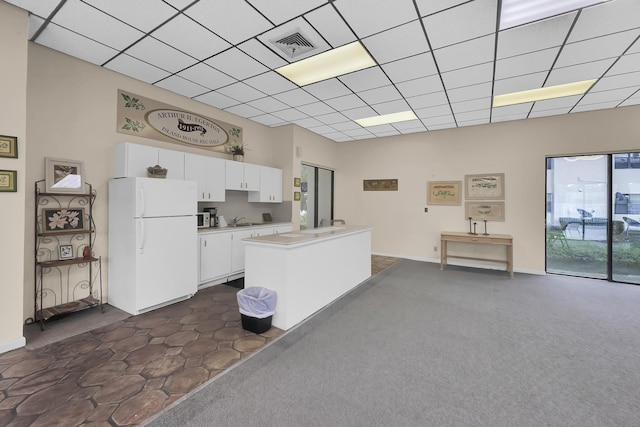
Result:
pixel 303 237
pixel 243 227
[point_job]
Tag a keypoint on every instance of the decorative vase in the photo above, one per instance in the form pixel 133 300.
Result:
pixel 86 252
pixel 238 157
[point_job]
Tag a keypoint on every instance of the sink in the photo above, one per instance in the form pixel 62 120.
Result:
pixel 241 224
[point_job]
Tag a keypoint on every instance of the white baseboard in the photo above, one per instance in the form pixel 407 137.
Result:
pixel 12 345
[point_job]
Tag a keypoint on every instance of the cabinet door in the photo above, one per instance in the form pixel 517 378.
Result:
pixel 216 179
pixel 283 229
pixel 237 250
pixel 276 185
pixel 234 174
pixel 215 256
pixel 133 160
pixel 173 161
pixel 251 177
pixel 195 169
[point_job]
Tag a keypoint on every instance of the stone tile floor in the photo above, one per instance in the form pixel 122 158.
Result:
pixel 124 373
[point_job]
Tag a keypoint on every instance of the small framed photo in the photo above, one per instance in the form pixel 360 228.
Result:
pixel 444 193
pixel 296 195
pixel 8 181
pixel 64 176
pixel 296 182
pixel 65 251
pixel 9 146
pixel 54 220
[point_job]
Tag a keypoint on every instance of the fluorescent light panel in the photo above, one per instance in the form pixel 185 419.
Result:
pixel 550 92
pixel 402 116
pixel 518 12
pixel 336 62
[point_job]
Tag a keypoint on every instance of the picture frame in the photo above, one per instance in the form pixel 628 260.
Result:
pixel 489 186
pixel 490 211
pixel 380 185
pixel 444 193
pixel 65 252
pixel 60 219
pixel 296 182
pixel 64 176
pixel 8 181
pixel 9 146
pixel 296 195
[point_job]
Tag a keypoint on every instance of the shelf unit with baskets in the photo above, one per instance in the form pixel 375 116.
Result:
pixel 66 271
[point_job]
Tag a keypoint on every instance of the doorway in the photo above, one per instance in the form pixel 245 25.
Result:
pixel 593 216
pixel 316 199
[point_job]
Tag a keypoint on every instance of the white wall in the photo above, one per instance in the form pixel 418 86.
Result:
pixel 517 149
pixel 13 113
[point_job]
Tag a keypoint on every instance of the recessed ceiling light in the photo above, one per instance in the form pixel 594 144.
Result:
pixel 518 12
pixel 576 88
pixel 402 116
pixel 336 62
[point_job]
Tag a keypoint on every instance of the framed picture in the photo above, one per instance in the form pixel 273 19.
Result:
pixel 296 195
pixel 64 176
pixel 491 211
pixel 484 187
pixel 54 220
pixel 296 182
pixel 8 181
pixel 444 193
pixel 65 251
pixel 380 185
pixel 9 146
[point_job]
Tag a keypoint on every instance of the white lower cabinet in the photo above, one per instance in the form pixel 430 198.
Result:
pixel 282 229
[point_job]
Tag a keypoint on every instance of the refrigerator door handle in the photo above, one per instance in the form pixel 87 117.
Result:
pixel 140 228
pixel 141 203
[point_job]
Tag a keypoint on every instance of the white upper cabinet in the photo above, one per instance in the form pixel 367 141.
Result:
pixel 242 176
pixel 209 173
pixel 270 186
pixel 132 160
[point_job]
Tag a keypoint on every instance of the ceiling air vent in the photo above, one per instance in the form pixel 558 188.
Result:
pixel 293 44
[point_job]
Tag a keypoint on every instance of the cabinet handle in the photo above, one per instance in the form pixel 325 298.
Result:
pixel 205 243
pixel 203 194
pixel 209 195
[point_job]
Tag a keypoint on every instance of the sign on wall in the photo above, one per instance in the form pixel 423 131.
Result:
pixel 151 119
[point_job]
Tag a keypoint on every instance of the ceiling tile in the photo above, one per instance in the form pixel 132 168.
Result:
pixel 290 114
pixel 429 100
pixel 144 15
pixel 237 64
pixel 40 8
pixel 461 55
pixel 268 120
pixel 278 11
pixel 369 78
pixel 35 22
pixel 626 64
pixel 576 73
pixel 86 20
pixel 512 110
pixel 538 35
pixel 181 86
pixel 473 122
pixel 473 105
pixel 260 53
pixel 593 107
pixel 323 130
pixel 410 68
pixel 332 118
pixel 366 20
pixel 421 86
pixel 223 18
pixel 391 107
pixel 360 113
pixel 468 76
pixel 551 112
pixel 479 16
pixel 481 90
pixel 526 64
pixel 132 67
pixel 614 95
pixel 268 104
pixel 508 118
pixel 295 97
pixel 307 123
pixel 427 7
pixel 180 33
pixel 566 103
pixel 68 42
pixel 244 110
pixel 155 52
pixel 217 100
pixel 617 82
pixel 332 27
pixel 610 46
pixel 446 119
pixel 270 83
pixel 316 109
pixel 241 92
pixel 409 125
pixel 437 111
pixel 346 125
pixel 630 101
pixel 606 18
pixel 207 76
pixel 519 83
pixel 473 115
pixel 179 4
pixel 328 89
pixel 397 43
pixel 345 102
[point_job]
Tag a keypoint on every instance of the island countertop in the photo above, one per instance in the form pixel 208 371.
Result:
pixel 309 236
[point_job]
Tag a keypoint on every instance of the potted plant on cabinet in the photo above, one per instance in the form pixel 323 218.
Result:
pixel 237 150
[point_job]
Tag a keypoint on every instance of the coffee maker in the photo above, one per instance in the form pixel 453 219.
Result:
pixel 213 213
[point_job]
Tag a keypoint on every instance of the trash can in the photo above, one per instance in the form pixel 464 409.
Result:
pixel 257 306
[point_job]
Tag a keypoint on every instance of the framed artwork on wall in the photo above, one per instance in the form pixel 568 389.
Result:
pixel 491 211
pixel 9 146
pixel 64 176
pixel 8 181
pixel 444 193
pixel 488 186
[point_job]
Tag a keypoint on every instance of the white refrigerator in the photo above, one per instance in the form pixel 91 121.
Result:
pixel 153 243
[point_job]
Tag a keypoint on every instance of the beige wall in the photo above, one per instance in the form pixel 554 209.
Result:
pixel 516 148
pixel 13 110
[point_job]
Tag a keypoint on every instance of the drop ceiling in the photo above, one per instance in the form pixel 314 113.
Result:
pixel 442 59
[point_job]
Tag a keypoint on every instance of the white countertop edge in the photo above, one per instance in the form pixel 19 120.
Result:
pixel 246 227
pixel 283 242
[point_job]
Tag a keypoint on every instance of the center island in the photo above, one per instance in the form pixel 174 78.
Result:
pixel 308 269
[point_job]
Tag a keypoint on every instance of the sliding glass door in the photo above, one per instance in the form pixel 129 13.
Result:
pixel 316 201
pixel 593 216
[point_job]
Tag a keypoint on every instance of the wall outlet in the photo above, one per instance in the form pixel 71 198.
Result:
pixel 435 249
pixel 426 209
